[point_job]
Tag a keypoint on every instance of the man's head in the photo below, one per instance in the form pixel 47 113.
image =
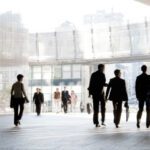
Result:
pixel 20 77
pixel 65 88
pixel 37 90
pixel 144 68
pixel 57 89
pixel 101 67
pixel 117 73
pixel 40 90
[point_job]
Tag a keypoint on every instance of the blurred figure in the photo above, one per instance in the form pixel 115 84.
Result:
pixel 65 98
pixel 118 94
pixel 142 90
pixel 89 108
pixel 38 99
pixel 82 107
pixel 57 100
pixel 73 98
pixel 96 89
pixel 20 97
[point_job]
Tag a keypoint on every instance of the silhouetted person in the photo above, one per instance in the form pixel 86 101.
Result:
pixel 38 99
pixel 65 98
pixel 96 89
pixel 118 94
pixel 142 89
pixel 18 93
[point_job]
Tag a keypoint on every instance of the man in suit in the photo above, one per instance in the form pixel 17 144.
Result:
pixel 142 90
pixel 118 94
pixel 65 98
pixel 96 89
pixel 38 99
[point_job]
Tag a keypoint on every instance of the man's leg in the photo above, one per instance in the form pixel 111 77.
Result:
pixel 147 113
pixel 139 113
pixel 36 105
pixel 21 111
pixel 95 111
pixel 114 111
pixel 39 109
pixel 65 107
pixel 118 113
pixel 16 114
pixel 103 109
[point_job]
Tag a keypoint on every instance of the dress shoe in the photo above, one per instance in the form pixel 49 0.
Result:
pixel 103 124
pixel 97 125
pixel 19 123
pixel 16 124
pixel 117 126
pixel 147 125
pixel 138 125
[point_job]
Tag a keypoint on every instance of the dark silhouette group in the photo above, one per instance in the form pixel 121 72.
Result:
pixel 117 93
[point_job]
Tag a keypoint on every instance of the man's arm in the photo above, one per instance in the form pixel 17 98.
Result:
pixel 137 87
pixel 24 93
pixel 42 97
pixel 12 89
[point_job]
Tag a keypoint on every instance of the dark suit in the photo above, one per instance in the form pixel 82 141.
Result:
pixel 65 98
pixel 118 94
pixel 38 99
pixel 97 83
pixel 142 90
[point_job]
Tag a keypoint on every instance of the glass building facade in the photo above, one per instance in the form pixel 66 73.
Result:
pixel 67 57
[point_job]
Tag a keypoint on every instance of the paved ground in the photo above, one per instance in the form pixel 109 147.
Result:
pixel 71 132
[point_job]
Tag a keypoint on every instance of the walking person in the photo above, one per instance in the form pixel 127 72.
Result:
pixel 118 94
pixel 142 91
pixel 96 89
pixel 57 100
pixel 38 99
pixel 65 98
pixel 19 97
pixel 73 98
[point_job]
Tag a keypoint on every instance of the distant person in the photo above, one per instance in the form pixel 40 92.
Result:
pixel 19 95
pixel 118 94
pixel 73 98
pixel 82 107
pixel 96 89
pixel 142 89
pixel 57 100
pixel 65 98
pixel 38 99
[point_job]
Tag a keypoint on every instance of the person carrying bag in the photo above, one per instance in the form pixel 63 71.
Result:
pixel 18 98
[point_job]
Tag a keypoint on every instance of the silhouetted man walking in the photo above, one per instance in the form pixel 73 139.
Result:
pixel 118 94
pixel 97 83
pixel 142 90
pixel 65 98
pixel 38 99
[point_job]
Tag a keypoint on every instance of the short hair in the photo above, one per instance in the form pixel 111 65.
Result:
pixel 116 72
pixel 101 66
pixel 144 68
pixel 19 77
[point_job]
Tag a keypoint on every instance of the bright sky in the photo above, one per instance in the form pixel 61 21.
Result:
pixel 45 15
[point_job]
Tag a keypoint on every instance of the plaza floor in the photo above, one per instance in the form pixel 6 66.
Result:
pixel 72 131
